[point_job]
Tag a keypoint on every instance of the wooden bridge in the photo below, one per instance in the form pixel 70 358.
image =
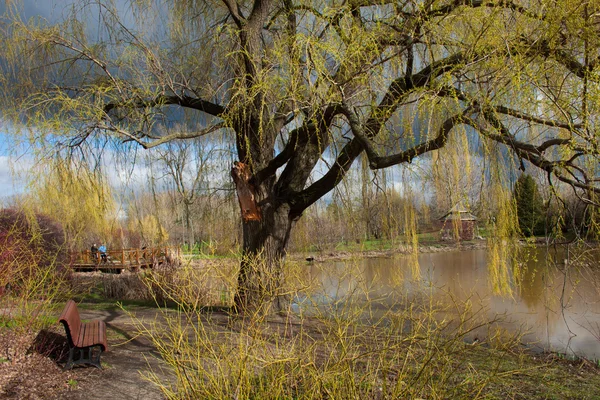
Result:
pixel 121 260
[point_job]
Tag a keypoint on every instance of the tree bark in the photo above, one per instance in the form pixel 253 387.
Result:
pixel 261 288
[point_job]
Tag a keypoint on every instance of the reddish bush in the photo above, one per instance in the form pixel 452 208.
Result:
pixel 28 243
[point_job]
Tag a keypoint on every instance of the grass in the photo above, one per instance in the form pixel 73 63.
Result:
pixel 333 354
pixel 206 251
pixel 523 375
pixel 202 256
pixel 19 320
pixel 111 304
pixel 353 246
pixel 364 245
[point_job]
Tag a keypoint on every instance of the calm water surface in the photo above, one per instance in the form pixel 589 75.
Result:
pixel 557 310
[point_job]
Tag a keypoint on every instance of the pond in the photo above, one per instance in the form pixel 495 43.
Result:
pixel 556 305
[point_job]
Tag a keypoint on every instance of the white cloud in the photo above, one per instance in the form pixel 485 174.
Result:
pixel 13 174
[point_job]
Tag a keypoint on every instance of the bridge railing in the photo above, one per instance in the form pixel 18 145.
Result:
pixel 129 257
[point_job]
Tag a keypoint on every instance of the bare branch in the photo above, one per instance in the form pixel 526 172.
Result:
pixel 401 87
pixel 300 201
pixel 234 11
pixel 162 139
pixel 537 120
pixel 531 153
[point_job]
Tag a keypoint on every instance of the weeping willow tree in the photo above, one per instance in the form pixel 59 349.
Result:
pixel 301 88
pixel 78 197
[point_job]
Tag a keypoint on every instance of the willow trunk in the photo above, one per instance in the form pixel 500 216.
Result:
pixel 261 283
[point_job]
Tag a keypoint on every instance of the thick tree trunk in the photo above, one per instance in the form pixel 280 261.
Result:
pixel 261 279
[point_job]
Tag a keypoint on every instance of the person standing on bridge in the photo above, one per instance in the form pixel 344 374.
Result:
pixel 102 250
pixel 94 251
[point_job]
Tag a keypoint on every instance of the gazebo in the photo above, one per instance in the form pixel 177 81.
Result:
pixel 458 224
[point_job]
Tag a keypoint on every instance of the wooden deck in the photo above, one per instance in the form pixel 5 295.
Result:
pixel 121 260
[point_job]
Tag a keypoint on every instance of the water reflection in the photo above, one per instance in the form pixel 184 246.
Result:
pixel 559 306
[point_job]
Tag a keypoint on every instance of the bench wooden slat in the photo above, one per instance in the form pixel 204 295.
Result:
pixel 94 334
pixel 77 342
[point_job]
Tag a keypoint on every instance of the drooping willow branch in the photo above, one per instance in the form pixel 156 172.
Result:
pixel 377 161
pixel 533 154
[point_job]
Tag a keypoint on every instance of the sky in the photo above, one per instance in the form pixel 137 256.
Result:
pixel 7 184
pixel 10 165
pixel 51 10
pixel 15 164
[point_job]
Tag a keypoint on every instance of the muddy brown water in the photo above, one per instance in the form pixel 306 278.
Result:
pixel 556 305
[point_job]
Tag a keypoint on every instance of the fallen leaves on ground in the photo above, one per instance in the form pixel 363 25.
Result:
pixel 31 366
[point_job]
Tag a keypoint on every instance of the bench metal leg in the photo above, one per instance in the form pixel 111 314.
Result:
pixel 95 361
pixel 69 363
pixel 85 356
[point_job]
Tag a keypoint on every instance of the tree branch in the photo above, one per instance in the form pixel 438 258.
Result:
pixel 531 118
pixel 400 87
pixel 300 201
pixel 234 11
pixel 377 162
pixel 532 154
pixel 163 100
pixel 447 9
pixel 129 137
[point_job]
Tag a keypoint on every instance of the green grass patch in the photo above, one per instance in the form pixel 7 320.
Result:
pixel 205 251
pixel 12 322
pixel 201 256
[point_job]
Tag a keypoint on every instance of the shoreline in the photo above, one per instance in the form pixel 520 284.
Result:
pixel 337 255
pixel 401 249
pixel 333 254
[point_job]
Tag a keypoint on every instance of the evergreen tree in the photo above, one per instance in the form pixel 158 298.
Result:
pixel 529 206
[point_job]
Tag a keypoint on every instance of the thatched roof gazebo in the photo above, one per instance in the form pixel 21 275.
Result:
pixel 458 224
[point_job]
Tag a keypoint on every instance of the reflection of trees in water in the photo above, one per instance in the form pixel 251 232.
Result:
pixel 553 301
pixel 579 291
pixel 560 287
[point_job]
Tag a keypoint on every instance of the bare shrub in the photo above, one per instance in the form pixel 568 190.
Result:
pixel 163 284
pixel 32 251
pixel 31 244
pixel 126 286
pixel 184 285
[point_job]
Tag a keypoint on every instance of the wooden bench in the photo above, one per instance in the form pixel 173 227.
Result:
pixel 88 339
